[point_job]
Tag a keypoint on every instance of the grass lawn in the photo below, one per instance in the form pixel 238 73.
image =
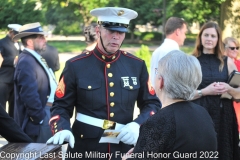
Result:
pixel 68 46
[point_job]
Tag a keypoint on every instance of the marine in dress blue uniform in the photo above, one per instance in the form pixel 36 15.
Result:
pixel 9 50
pixel 104 88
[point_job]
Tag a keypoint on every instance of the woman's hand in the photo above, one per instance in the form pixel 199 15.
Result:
pixel 216 88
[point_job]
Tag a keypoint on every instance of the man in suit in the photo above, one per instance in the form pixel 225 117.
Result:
pixel 34 84
pixel 9 50
pixel 52 58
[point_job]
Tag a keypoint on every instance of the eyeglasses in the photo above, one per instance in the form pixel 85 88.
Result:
pixel 156 71
pixel 232 48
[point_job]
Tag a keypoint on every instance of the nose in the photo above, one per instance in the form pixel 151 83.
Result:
pixel 116 35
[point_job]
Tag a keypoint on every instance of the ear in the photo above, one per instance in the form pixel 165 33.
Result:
pixel 97 29
pixel 29 42
pixel 177 31
pixel 161 83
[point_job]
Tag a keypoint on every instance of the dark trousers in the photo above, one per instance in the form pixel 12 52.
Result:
pixel 7 94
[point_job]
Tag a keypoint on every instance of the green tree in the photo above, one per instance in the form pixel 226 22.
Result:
pixel 195 10
pixel 148 12
pixel 145 55
pixel 66 15
pixel 19 11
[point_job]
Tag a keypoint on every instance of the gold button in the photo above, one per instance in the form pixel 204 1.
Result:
pixel 89 87
pixel 110 74
pixel 81 136
pixel 131 87
pixel 111 84
pixel 125 52
pixel 112 104
pixel 55 126
pixel 87 52
pixel 113 57
pixel 55 123
pixel 111 114
pixel 47 96
pixel 103 57
pixel 56 130
pixel 108 65
pixel 112 94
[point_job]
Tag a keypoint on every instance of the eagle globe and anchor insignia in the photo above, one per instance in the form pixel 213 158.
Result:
pixel 121 12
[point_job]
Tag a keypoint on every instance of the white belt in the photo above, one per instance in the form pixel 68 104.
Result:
pixel 102 123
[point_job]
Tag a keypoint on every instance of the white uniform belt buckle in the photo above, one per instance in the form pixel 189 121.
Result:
pixel 108 124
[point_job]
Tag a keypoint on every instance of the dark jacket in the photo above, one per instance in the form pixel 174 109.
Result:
pixel 181 130
pixel 51 57
pixel 31 89
pixel 10 130
pixel 9 52
pixel 105 88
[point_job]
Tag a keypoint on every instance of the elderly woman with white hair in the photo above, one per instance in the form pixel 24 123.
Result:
pixel 181 129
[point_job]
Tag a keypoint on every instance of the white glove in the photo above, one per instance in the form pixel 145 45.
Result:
pixel 59 137
pixel 129 133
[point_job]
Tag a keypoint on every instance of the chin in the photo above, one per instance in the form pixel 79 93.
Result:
pixel 112 51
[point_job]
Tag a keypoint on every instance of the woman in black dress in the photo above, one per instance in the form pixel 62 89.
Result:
pixel 181 129
pixel 216 69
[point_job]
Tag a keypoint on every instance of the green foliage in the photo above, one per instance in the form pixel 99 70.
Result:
pixel 144 54
pixel 19 11
pixel 187 49
pixel 195 10
pixel 148 11
pixel 151 36
pixel 146 36
pixel 64 28
pixel 191 36
pixel 64 13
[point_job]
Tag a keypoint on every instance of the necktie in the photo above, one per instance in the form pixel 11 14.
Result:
pixel 44 61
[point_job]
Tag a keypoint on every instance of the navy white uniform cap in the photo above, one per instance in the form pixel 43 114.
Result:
pixel 14 27
pixel 114 18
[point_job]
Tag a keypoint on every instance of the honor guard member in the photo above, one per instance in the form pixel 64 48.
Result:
pixel 9 49
pixel 104 92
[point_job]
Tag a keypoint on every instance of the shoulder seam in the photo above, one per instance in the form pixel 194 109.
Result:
pixel 79 58
pixel 133 56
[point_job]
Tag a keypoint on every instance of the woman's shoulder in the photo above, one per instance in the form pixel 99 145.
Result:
pixel 164 116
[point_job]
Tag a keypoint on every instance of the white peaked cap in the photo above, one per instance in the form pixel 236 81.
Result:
pixel 14 27
pixel 114 14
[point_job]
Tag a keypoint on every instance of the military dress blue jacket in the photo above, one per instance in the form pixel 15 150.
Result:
pixel 9 52
pixel 106 87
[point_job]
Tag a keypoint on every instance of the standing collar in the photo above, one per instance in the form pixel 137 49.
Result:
pixel 104 57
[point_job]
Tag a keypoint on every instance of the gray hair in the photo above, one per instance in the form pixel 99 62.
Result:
pixel 181 74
